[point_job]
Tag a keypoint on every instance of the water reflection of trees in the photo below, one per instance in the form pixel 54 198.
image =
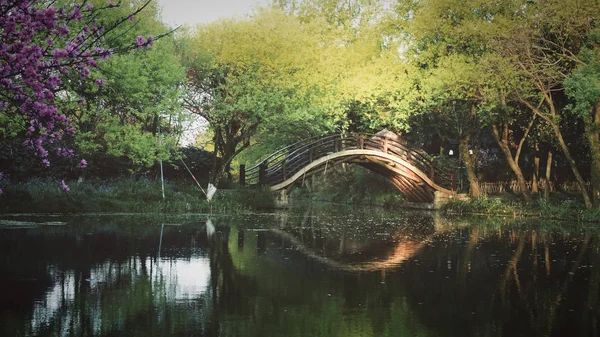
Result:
pixel 298 295
pixel 493 279
pixel 509 282
pixel 101 281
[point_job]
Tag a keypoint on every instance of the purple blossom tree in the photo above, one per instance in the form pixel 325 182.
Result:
pixel 40 46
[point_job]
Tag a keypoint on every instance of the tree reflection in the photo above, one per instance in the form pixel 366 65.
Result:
pixel 309 274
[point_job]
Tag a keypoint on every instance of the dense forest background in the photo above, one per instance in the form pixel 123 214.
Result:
pixel 510 88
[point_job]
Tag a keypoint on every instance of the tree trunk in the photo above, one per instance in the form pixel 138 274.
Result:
pixel 228 156
pixel 593 132
pixel 536 170
pixel 551 119
pixel 213 176
pixel 228 153
pixel 548 172
pixel 580 181
pixel 514 166
pixel 470 166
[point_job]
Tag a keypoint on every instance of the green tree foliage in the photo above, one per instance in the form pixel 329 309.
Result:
pixel 361 56
pixel 583 86
pixel 240 81
pixel 446 42
pixel 292 71
pixel 249 77
pixel 508 60
pixel 545 44
pixel 135 95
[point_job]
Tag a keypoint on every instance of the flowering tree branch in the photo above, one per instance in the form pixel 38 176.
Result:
pixel 41 45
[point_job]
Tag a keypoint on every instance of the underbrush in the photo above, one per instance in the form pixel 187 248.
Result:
pixel 125 195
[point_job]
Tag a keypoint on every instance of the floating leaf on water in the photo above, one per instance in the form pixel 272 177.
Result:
pixel 18 224
pixel 54 223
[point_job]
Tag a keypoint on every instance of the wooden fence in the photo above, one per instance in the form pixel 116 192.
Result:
pixel 513 186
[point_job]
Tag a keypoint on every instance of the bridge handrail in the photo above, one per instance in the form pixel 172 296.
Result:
pixel 281 154
pixel 290 159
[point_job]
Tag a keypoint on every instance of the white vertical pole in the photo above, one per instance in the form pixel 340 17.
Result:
pixel 162 228
pixel 162 176
pixel 162 180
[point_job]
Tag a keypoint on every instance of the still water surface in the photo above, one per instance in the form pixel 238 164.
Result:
pixel 303 273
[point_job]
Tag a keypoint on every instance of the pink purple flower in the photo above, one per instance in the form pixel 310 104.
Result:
pixel 64 186
pixel 140 41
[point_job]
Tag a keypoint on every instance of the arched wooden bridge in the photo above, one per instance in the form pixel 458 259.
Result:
pixel 410 169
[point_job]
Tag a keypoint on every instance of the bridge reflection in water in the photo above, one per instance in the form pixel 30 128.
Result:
pixel 345 249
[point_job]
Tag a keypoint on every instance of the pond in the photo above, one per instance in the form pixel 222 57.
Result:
pixel 315 272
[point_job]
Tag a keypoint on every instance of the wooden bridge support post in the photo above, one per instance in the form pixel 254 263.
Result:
pixel 242 175
pixel 262 174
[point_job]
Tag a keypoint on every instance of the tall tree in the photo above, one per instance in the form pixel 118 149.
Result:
pixel 251 77
pixel 449 44
pixel 239 77
pixel 545 40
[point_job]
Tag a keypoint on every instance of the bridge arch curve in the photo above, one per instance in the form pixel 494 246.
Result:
pixel 410 169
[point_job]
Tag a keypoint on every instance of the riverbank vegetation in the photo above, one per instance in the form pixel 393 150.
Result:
pixel 495 91
pixel 361 187
pixel 502 206
pixel 127 196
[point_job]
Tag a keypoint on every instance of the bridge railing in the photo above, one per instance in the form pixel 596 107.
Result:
pixel 253 173
pixel 287 161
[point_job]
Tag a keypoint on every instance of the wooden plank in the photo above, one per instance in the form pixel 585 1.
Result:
pixel 417 190
pixel 405 189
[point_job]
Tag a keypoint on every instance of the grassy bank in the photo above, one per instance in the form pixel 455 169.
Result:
pixel 145 196
pixel 125 195
pixel 565 209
